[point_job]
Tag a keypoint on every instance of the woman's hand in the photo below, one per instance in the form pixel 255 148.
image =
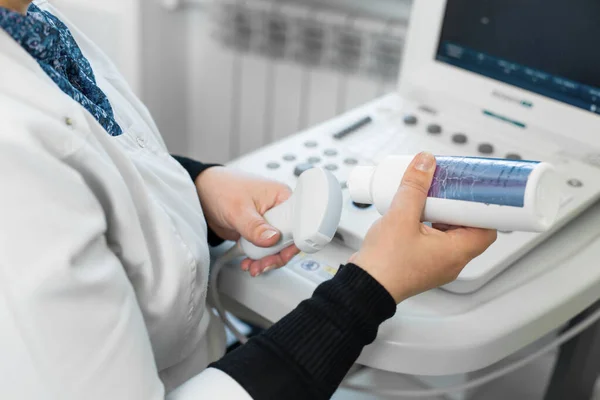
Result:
pixel 408 257
pixel 233 205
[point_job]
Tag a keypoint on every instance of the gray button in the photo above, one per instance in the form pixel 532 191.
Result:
pixel 331 167
pixel 411 120
pixel 140 141
pixel 330 152
pixel 350 161
pixel 314 160
pixel 434 129
pixel 273 165
pixel 459 138
pixel 513 156
pixel 289 157
pixel 300 168
pixel 486 148
pixel 311 144
pixel 575 183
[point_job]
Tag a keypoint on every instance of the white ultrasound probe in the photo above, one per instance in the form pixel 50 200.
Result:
pixel 308 219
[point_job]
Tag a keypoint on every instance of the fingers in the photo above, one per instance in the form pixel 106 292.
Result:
pixel 253 227
pixel 269 263
pixel 472 241
pixel 250 223
pixel 409 201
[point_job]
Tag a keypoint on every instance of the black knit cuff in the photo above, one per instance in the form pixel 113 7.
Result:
pixel 308 352
pixel 195 168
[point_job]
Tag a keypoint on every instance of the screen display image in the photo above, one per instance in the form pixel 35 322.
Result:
pixel 549 47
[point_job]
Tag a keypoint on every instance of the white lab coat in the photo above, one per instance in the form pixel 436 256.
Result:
pixel 103 254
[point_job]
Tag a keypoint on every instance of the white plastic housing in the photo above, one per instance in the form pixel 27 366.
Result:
pixel 378 185
pixel 308 219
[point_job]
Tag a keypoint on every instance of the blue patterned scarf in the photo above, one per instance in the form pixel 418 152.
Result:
pixel 50 42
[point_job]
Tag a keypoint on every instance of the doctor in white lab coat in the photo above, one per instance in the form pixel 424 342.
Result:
pixel 104 258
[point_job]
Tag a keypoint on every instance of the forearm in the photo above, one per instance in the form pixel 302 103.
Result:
pixel 307 354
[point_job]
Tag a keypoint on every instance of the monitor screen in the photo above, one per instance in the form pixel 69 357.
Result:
pixel 549 47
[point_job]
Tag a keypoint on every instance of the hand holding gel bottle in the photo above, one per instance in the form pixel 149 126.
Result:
pixel 476 192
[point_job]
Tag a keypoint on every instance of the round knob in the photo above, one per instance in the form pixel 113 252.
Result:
pixel 575 183
pixel 486 148
pixel 459 138
pixel 434 129
pixel 411 120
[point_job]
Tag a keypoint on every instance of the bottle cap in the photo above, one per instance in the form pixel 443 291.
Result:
pixel 547 195
pixel 359 184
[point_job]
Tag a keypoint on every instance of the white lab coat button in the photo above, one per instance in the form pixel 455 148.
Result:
pixel 69 122
pixel 141 142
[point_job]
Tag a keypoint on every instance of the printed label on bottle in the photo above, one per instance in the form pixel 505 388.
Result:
pixel 482 180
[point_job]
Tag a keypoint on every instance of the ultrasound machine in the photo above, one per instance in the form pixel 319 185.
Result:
pixel 499 78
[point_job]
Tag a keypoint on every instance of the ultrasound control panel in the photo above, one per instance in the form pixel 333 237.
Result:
pixel 393 126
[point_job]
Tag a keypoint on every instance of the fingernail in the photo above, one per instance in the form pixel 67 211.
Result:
pixel 425 161
pixel 269 268
pixel 245 268
pixel 268 234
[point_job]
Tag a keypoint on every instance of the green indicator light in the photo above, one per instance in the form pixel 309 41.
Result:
pixel 505 119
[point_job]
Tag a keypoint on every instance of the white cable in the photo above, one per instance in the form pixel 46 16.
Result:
pixel 565 337
pixel 230 255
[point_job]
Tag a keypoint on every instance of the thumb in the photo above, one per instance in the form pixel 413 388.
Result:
pixel 409 201
pixel 253 227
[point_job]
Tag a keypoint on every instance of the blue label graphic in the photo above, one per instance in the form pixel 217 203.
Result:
pixel 482 180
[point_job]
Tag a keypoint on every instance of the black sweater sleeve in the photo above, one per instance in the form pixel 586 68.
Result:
pixel 195 168
pixel 308 352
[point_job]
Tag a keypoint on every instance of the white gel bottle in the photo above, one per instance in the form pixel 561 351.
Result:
pixel 500 194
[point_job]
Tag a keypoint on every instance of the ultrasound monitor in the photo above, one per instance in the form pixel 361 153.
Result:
pixel 548 47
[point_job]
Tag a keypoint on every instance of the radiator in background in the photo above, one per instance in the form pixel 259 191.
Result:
pixel 262 70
